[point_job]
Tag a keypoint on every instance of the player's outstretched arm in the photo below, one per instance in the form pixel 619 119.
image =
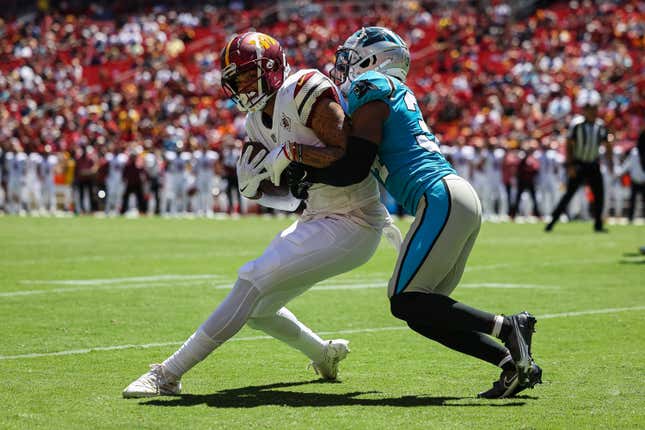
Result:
pixel 363 138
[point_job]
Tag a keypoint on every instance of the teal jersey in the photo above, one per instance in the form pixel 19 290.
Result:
pixel 409 160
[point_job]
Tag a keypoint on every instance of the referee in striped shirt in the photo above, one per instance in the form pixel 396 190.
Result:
pixel 586 134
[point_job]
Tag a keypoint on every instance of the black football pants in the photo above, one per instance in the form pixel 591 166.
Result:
pixel 451 323
pixel 585 173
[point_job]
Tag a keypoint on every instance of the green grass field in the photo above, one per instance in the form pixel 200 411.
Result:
pixel 86 304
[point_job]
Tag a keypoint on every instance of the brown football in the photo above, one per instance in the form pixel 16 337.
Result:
pixel 266 186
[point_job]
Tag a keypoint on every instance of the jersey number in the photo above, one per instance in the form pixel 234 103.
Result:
pixel 422 139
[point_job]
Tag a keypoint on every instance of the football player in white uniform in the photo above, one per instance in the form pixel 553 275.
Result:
pixel 16 163
pixel 301 117
pixel 493 169
pixel 480 179
pixel 175 186
pixel 204 167
pixel 46 172
pixel 3 155
pixel 114 181
pixel 152 163
pixel 549 177
pixel 460 157
pixel 32 192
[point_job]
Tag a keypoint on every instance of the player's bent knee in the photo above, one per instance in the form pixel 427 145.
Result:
pixel 399 305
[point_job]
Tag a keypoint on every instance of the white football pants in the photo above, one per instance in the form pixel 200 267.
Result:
pixel 300 256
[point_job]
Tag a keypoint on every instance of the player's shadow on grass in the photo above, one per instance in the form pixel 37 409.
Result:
pixel 266 395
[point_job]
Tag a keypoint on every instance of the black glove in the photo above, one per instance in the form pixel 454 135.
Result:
pixel 296 174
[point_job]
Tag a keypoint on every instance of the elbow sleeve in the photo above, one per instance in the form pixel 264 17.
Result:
pixel 350 169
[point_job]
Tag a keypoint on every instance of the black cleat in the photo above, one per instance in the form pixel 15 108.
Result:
pixel 548 228
pixel 508 384
pixel 518 343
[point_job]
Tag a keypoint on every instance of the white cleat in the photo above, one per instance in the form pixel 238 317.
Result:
pixel 157 382
pixel 335 351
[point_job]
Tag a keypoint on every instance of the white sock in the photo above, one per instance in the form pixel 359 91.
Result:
pixel 497 326
pixel 284 326
pixel 195 349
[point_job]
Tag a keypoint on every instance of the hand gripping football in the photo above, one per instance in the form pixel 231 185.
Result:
pixel 266 186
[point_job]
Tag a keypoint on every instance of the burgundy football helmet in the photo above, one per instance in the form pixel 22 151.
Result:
pixel 254 67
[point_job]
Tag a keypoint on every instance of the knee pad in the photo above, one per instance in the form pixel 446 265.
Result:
pixel 398 306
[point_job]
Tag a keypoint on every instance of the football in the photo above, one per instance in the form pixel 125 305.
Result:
pixel 266 186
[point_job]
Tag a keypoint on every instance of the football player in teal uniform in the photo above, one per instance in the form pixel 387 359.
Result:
pixel 389 138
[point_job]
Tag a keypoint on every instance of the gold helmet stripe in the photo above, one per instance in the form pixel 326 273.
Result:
pixel 228 48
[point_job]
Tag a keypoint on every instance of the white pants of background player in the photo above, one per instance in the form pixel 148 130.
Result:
pixel 114 185
pixel 309 251
pixel 14 195
pixel 49 195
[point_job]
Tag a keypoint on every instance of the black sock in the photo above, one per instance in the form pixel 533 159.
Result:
pixel 475 344
pixel 441 311
pixel 509 365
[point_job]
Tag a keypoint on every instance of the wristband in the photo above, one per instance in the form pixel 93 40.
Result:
pixel 298 152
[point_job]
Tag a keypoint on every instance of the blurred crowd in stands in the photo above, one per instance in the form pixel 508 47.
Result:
pixel 97 106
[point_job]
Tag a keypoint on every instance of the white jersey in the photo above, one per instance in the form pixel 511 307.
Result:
pixel 291 120
pixel 16 166
pixel 8 160
pixel 462 158
pixel 634 167
pixel 33 162
pixel 176 164
pixel 204 163
pixel 47 168
pixel 116 163
pixel 550 165
pixel 152 165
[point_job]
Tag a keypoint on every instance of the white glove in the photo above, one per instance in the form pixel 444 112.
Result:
pixel 251 172
pixel 276 161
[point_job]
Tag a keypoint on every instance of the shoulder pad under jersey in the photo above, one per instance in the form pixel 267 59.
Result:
pixel 309 86
pixel 368 87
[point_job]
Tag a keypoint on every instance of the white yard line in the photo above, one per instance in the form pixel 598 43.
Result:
pixel 324 333
pixel 591 312
pixel 118 257
pixel 476 268
pixel 202 280
pixel 184 283
pixel 118 280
